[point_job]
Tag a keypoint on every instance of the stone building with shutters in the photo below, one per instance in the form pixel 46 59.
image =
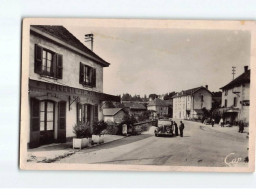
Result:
pixel 65 85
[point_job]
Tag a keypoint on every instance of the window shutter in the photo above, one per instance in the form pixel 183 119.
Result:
pixel 81 74
pixel 94 78
pixel 59 65
pixel 34 123
pixel 38 58
pixel 78 107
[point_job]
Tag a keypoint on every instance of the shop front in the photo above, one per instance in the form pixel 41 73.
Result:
pixel 55 109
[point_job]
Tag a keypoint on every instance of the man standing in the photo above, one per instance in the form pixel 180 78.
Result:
pixel 241 127
pixel 176 128
pixel 181 128
pixel 213 121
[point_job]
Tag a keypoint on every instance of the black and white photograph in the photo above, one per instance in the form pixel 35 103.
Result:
pixel 137 95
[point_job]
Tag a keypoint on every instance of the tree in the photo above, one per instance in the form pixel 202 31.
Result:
pixel 153 96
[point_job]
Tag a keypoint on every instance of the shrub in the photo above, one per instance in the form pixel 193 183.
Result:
pixel 82 130
pixel 99 126
pixel 112 128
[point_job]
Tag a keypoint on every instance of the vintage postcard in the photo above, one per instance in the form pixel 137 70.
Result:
pixel 138 95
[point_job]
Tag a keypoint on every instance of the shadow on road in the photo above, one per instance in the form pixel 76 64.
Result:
pixel 116 143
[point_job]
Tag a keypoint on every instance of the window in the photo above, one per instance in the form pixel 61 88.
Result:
pixel 202 98
pixel 226 103
pixel 226 92
pixel 46 116
pixel 87 75
pixel 83 113
pixel 48 63
pixel 235 102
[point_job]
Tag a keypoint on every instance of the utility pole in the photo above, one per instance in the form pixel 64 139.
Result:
pixel 89 38
pixel 233 71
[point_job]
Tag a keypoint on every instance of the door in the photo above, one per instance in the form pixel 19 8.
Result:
pixel 47 121
pixel 61 133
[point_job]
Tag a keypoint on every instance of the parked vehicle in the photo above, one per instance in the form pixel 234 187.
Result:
pixel 164 128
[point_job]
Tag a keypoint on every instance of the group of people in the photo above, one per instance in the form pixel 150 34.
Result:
pixel 174 126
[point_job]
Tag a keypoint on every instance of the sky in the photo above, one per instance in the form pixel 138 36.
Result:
pixel 144 61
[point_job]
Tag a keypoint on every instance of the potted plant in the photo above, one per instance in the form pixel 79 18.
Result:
pixel 98 128
pixel 82 132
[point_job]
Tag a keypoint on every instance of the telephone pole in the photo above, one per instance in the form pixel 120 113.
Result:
pixel 233 71
pixel 89 38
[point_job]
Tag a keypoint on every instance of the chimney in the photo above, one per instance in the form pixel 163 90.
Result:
pixel 245 68
pixel 206 86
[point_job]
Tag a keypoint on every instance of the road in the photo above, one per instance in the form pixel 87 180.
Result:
pixel 200 146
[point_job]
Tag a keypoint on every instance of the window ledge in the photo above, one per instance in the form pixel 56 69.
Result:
pixel 46 76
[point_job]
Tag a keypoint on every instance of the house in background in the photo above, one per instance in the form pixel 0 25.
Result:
pixel 189 104
pixel 236 99
pixel 134 108
pixel 160 107
pixel 113 114
pixel 65 85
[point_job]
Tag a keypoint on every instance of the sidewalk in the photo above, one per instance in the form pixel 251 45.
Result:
pixel 227 130
pixel 52 152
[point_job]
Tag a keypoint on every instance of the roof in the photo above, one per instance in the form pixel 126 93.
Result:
pixel 243 78
pixel 157 102
pixel 111 111
pixel 64 35
pixel 189 92
pixel 134 105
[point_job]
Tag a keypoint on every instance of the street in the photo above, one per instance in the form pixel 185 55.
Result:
pixel 201 146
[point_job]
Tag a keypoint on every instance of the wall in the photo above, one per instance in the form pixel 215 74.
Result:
pixel 207 103
pixel 109 118
pixel 71 65
pixel 119 116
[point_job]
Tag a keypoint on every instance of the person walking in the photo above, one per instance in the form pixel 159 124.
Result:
pixel 241 127
pixel 176 129
pixel 221 122
pixel 181 127
pixel 213 121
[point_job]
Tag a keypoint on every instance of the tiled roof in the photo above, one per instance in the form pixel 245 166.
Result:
pixel 157 102
pixel 189 92
pixel 111 111
pixel 243 78
pixel 134 105
pixel 64 35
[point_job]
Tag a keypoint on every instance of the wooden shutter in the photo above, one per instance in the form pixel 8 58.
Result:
pixel 81 74
pixel 38 59
pixel 78 107
pixel 61 135
pixel 34 123
pixel 59 66
pixel 94 78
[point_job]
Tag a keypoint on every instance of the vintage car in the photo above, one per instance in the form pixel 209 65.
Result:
pixel 164 128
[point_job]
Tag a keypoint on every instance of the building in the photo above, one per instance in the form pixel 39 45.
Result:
pixel 189 104
pixel 113 114
pixel 236 99
pixel 158 106
pixel 134 108
pixel 65 85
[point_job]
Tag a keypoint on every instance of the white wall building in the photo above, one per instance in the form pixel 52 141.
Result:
pixel 235 100
pixel 65 85
pixel 188 104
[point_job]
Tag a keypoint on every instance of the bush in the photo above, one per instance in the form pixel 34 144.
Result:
pixel 82 130
pixel 112 128
pixel 98 127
